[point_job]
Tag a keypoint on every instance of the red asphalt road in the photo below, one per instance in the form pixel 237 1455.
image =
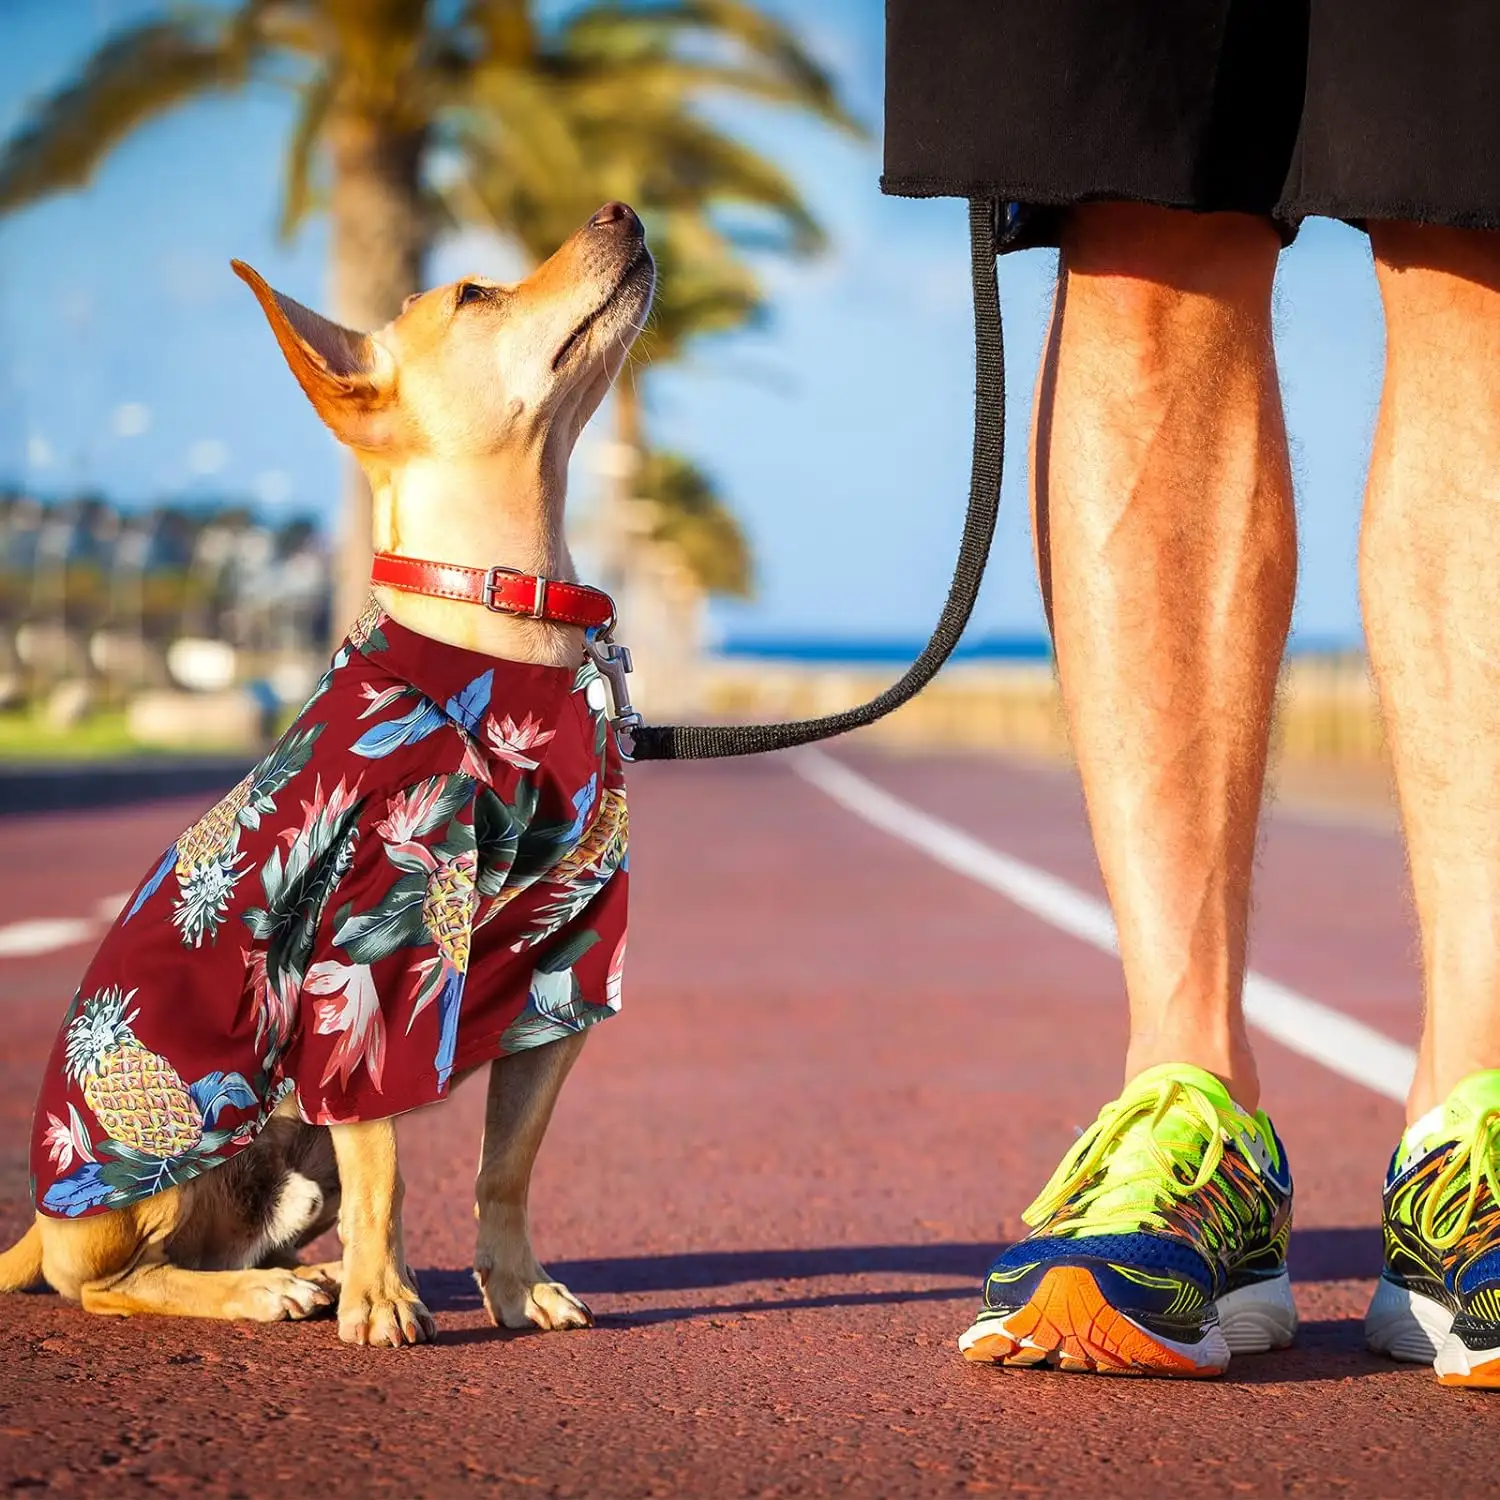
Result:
pixel 840 1073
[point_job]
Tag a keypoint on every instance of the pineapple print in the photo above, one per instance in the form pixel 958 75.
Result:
pixel 601 849
pixel 364 627
pixel 448 908
pixel 206 858
pixel 136 1095
pixel 208 853
pixel 207 838
pixel 602 846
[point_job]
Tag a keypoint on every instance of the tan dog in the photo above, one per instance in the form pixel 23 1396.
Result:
pixel 463 412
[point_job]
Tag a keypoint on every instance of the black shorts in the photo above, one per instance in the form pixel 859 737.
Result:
pixel 1351 109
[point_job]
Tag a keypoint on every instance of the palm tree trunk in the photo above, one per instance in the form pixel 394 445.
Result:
pixel 621 538
pixel 656 597
pixel 379 244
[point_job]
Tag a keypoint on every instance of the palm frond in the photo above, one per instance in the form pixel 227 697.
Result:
pixel 704 288
pixel 610 32
pixel 686 163
pixel 688 515
pixel 137 75
pixel 503 31
pixel 519 159
pixel 312 114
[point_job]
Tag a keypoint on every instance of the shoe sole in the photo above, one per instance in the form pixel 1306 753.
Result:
pixel 1455 1366
pixel 1408 1326
pixel 1070 1325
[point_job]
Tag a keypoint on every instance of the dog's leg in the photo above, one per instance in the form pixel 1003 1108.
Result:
pixel 21 1265
pixel 523 1089
pixel 378 1303
pixel 265 1296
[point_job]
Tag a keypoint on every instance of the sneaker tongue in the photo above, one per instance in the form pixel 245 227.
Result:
pixel 1470 1098
pixel 1418 1139
pixel 1186 1073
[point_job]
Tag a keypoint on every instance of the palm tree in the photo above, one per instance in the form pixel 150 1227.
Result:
pixel 399 105
pixel 540 158
pixel 690 517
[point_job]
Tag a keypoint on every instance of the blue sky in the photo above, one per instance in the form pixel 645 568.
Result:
pixel 131 358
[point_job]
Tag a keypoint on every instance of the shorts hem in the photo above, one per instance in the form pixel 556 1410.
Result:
pixel 1034 214
pixel 1360 212
pixel 1035 224
pixel 1033 196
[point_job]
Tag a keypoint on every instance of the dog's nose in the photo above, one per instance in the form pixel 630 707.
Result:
pixel 614 213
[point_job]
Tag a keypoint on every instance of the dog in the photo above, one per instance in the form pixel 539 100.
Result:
pixel 451 894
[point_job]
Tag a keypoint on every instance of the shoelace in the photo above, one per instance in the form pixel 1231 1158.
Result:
pixel 1102 1163
pixel 1482 1160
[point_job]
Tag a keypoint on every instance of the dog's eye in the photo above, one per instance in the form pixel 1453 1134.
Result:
pixel 470 291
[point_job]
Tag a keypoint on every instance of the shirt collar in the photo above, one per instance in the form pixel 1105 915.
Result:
pixel 464 684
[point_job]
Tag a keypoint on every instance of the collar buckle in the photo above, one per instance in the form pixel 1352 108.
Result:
pixel 490 588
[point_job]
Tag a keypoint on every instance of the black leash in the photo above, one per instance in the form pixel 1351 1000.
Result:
pixel 709 741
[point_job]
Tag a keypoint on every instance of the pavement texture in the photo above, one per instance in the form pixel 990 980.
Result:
pixel 777 1177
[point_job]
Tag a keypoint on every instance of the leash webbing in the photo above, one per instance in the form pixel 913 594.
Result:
pixel 710 741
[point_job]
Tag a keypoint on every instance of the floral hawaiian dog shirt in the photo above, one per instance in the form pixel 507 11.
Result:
pixel 428 871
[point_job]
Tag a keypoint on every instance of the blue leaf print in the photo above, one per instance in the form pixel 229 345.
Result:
pixel 78 1192
pixel 583 801
pixel 214 1091
pixel 469 706
pixel 448 1008
pixel 381 739
pixel 150 888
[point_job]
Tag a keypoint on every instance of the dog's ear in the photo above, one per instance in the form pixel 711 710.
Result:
pixel 349 377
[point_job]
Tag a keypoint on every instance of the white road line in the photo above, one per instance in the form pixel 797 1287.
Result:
pixel 1339 1042
pixel 43 935
pixel 48 934
pixel 107 908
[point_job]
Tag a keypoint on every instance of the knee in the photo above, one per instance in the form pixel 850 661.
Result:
pixel 1168 278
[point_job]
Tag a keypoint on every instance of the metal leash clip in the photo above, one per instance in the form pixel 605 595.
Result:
pixel 614 664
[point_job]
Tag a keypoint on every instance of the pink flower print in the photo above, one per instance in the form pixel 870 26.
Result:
pixel 348 1007
pixel 377 698
pixel 407 812
pixel 509 741
pixel 66 1139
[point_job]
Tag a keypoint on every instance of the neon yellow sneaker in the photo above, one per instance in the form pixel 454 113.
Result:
pixel 1438 1298
pixel 1159 1245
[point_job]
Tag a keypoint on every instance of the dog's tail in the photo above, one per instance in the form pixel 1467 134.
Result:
pixel 21 1265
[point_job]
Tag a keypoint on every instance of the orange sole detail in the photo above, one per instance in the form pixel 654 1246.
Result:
pixel 1068 1323
pixel 1485 1377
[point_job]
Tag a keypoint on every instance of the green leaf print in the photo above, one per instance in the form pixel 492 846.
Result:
pixel 395 923
pixel 497 832
pixel 568 952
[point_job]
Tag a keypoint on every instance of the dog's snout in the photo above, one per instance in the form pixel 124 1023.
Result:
pixel 614 213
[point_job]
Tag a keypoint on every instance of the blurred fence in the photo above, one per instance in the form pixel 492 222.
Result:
pixel 1326 710
pixel 100 603
pixel 173 612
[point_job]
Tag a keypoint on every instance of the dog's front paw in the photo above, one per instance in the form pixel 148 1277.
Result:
pixel 521 1302
pixel 328 1274
pixel 384 1316
pixel 269 1296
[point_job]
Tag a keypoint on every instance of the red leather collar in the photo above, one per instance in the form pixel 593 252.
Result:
pixel 501 589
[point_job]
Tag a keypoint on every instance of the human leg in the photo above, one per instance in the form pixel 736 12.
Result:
pixel 1428 548
pixel 1167 558
pixel 1171 556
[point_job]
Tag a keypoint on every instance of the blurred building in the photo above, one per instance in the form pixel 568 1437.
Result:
pixel 102 603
